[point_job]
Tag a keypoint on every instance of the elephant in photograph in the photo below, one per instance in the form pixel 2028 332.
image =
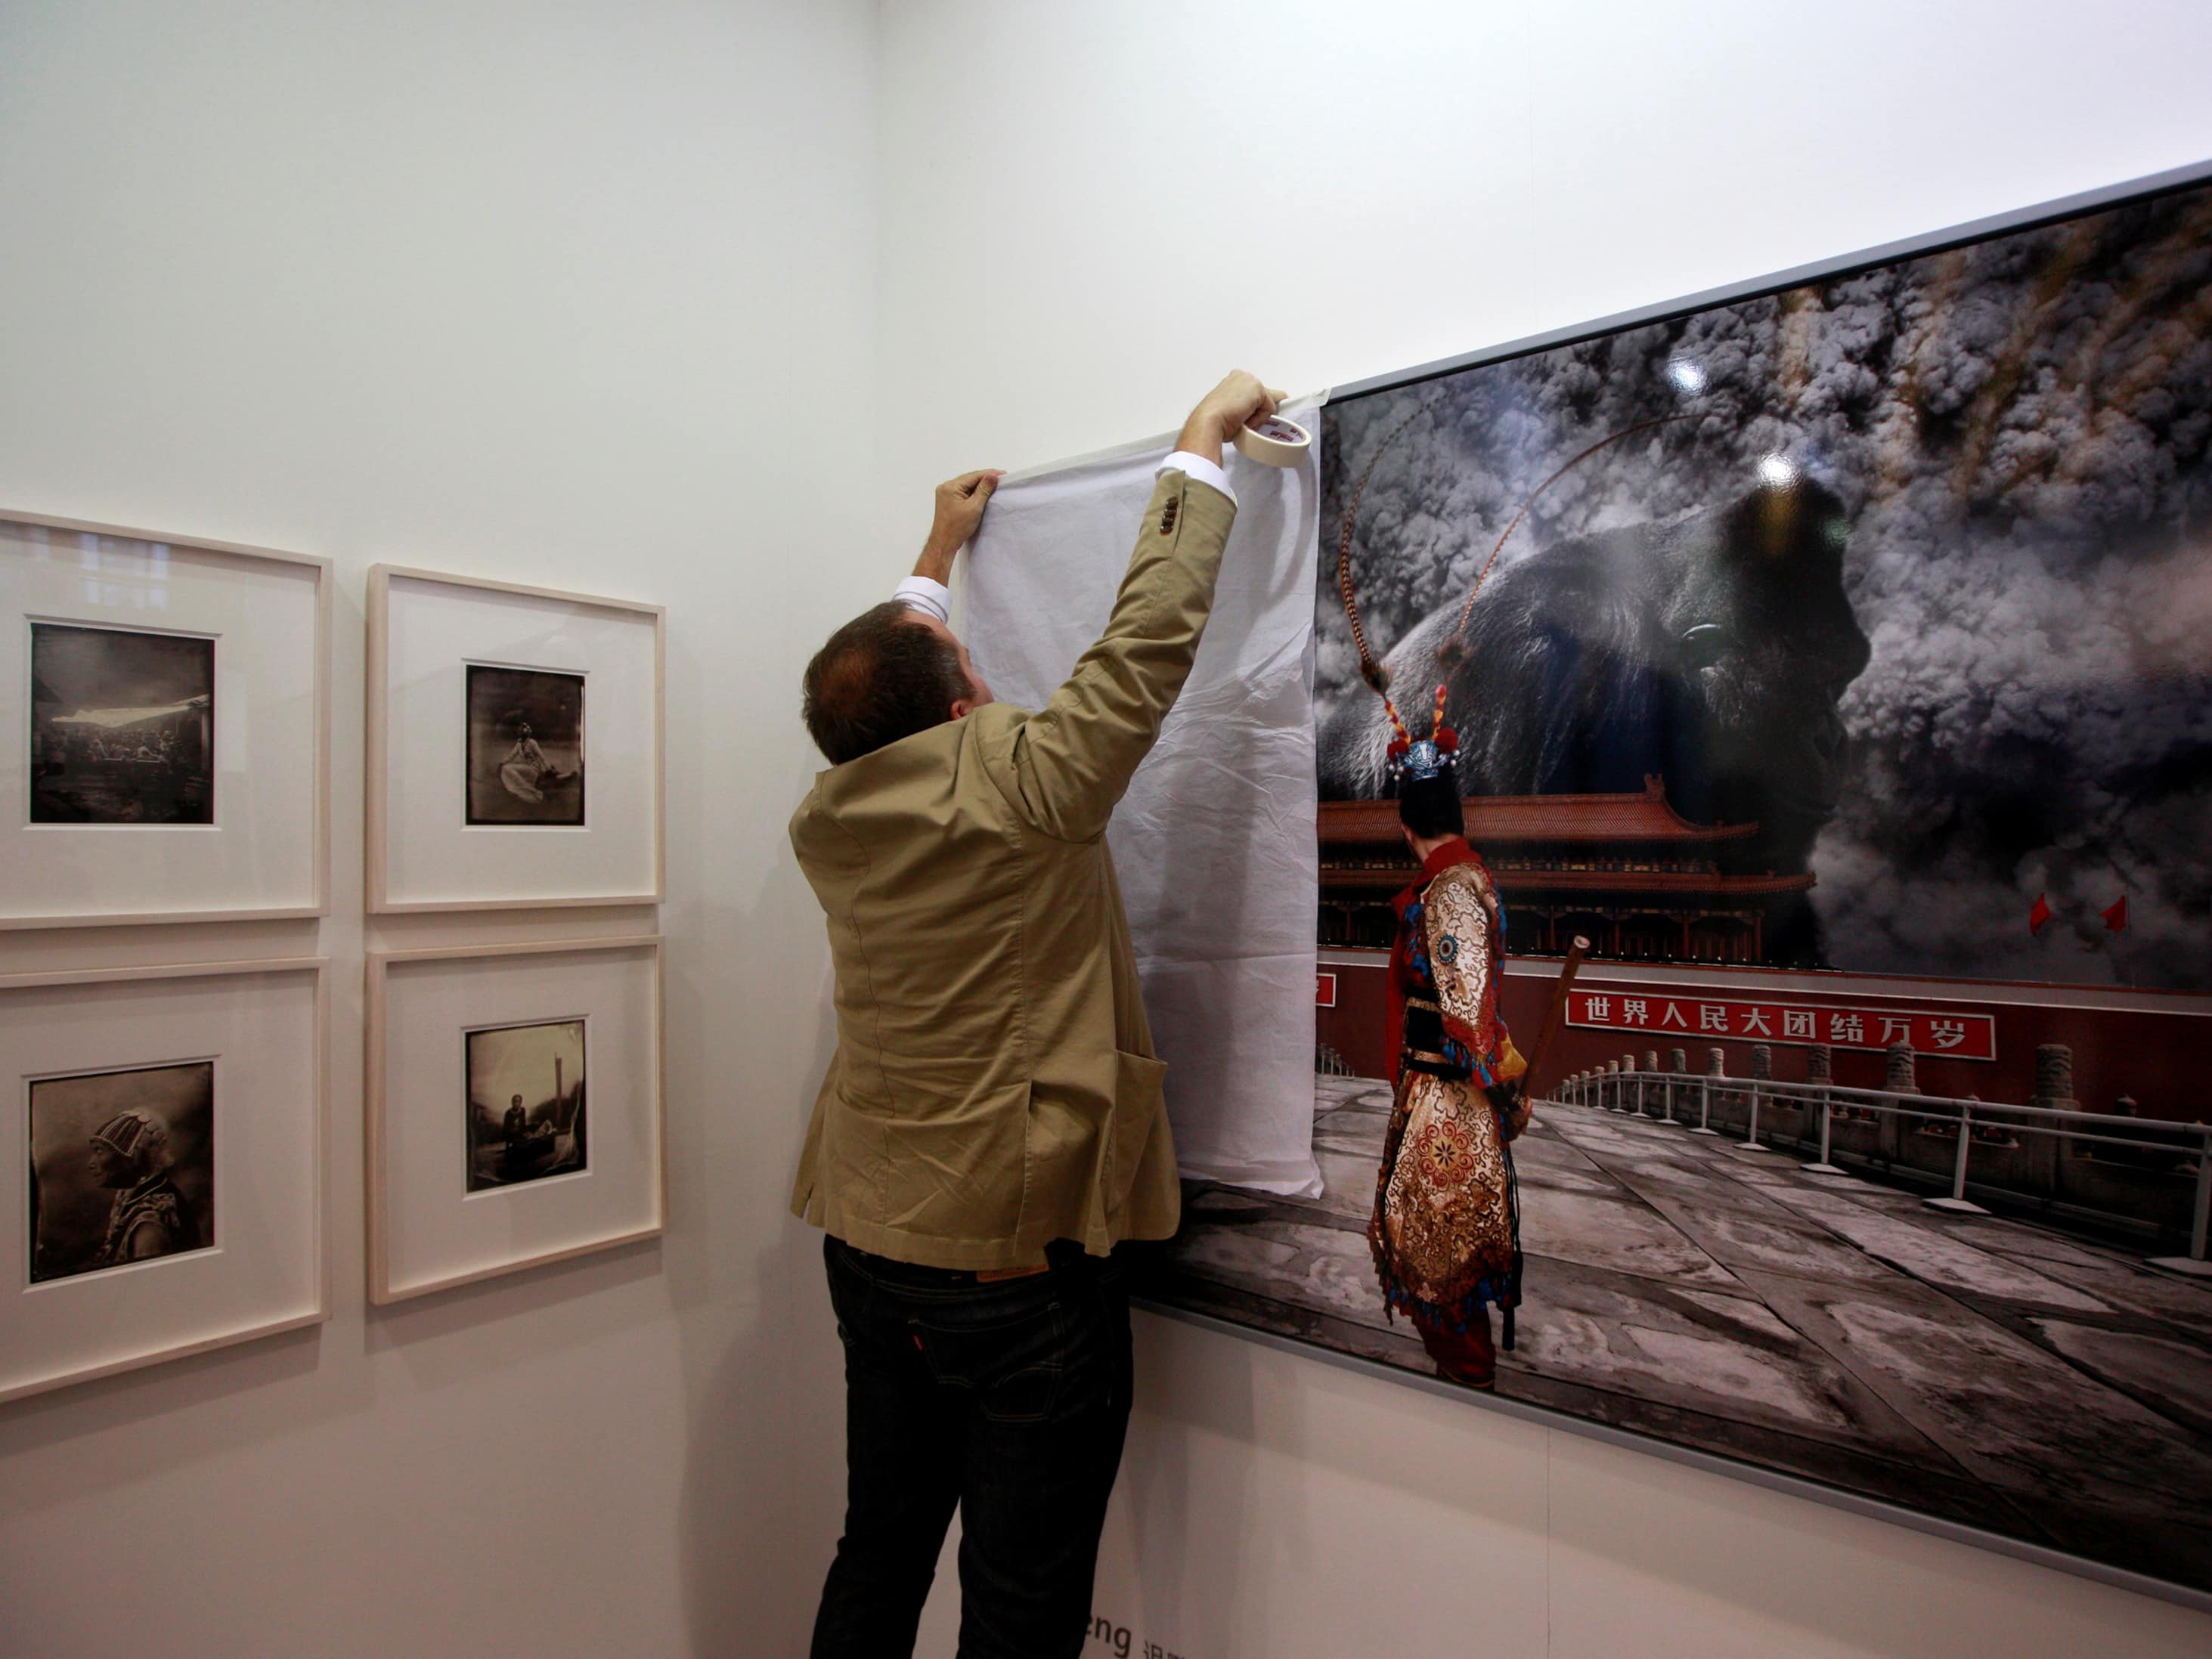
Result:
pixel 1712 651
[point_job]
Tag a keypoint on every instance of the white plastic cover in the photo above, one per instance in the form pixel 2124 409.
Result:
pixel 1214 842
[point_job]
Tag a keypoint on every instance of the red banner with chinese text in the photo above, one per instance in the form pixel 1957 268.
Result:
pixel 1954 1035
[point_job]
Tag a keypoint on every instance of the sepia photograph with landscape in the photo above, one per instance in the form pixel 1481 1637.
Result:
pixel 525 746
pixel 122 1167
pixel 1836 662
pixel 525 1103
pixel 122 726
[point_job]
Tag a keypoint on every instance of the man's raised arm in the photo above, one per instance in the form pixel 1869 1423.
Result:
pixel 1070 763
pixel 960 504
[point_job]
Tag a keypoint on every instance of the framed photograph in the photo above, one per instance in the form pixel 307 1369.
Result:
pixel 161 1176
pixel 164 727
pixel 514 746
pixel 514 1108
pixel 1829 656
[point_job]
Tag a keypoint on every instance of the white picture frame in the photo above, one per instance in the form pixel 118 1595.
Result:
pixel 164 727
pixel 468 807
pixel 455 1198
pixel 230 1060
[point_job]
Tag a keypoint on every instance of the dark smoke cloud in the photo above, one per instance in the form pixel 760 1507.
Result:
pixel 2021 431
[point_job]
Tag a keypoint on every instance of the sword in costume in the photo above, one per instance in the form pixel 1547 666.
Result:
pixel 1552 1020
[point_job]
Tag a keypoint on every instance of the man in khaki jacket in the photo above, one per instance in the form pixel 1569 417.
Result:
pixel 991 1124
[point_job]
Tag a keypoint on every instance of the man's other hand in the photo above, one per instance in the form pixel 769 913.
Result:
pixel 960 504
pixel 1239 400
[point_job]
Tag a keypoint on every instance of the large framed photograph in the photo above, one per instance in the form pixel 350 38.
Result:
pixel 164 727
pixel 514 1108
pixel 1833 656
pixel 514 746
pixel 162 1178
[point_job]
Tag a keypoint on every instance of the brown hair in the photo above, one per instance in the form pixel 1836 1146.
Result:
pixel 881 676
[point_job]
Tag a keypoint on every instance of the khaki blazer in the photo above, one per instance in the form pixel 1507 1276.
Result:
pixel 994 1086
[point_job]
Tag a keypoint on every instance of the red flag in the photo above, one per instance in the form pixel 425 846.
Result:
pixel 2039 915
pixel 2116 919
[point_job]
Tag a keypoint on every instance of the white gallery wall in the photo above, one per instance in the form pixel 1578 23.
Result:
pixel 596 296
pixel 1089 213
pixel 565 292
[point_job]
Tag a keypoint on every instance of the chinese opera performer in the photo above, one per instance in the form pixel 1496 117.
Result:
pixel 1445 1231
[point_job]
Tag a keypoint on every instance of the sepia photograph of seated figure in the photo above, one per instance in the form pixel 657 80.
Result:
pixel 525 1104
pixel 525 746
pixel 122 726
pixel 122 1168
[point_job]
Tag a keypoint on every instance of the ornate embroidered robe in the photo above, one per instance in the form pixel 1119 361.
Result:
pixel 1446 1229
pixel 155 1203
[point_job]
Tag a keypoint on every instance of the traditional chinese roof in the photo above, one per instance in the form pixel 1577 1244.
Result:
pixel 1499 820
pixel 1680 884
pixel 1686 882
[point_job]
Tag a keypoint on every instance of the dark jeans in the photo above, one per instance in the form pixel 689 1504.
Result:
pixel 1008 1398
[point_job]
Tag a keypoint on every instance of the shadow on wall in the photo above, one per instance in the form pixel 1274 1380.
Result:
pixel 173 1388
pixel 1156 1504
pixel 1272 1505
pixel 413 1330
pixel 764 1407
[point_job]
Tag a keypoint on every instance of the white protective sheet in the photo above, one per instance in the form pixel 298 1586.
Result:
pixel 1214 842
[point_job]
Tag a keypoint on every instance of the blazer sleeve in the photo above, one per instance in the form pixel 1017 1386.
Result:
pixel 1065 766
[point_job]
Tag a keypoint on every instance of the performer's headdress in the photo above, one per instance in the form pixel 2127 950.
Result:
pixel 132 1135
pixel 1421 759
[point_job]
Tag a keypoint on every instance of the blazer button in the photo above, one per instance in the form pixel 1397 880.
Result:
pixel 1168 515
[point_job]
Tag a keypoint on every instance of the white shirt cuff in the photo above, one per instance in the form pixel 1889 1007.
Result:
pixel 1200 470
pixel 921 593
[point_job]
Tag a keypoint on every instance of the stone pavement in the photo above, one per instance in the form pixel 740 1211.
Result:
pixel 1990 1371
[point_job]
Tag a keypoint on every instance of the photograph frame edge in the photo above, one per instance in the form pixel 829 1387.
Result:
pixel 2006 222
pixel 2025 217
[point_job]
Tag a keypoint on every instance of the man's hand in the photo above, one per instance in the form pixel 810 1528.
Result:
pixel 960 504
pixel 1239 400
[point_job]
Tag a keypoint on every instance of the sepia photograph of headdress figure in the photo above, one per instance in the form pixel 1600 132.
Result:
pixel 525 1103
pixel 122 726
pixel 525 746
pixel 122 1168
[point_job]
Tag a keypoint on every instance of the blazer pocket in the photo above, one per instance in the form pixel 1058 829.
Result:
pixel 957 1173
pixel 1140 1099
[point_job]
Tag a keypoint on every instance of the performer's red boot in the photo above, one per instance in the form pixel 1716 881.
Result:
pixel 1469 1355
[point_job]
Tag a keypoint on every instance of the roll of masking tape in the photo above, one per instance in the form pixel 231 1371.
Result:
pixel 1274 441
